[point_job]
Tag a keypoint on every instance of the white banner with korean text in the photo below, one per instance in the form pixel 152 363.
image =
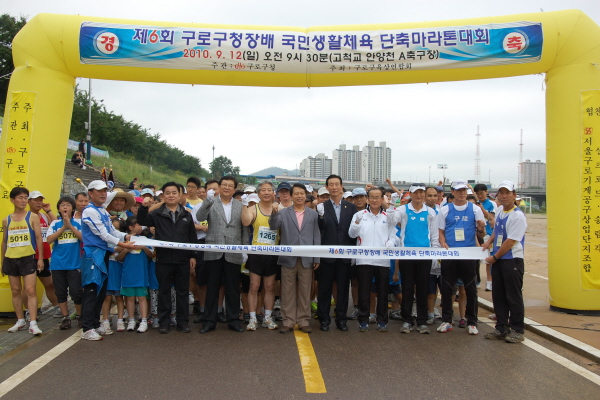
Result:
pixel 375 253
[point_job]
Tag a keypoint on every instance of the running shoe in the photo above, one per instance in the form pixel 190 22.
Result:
pixel 488 286
pixel 191 298
pixel 354 314
pixel 372 318
pixel 173 321
pixel 444 327
pixel 104 329
pixel 155 323
pixel 364 327
pixel 131 325
pixel 269 323
pixel 35 330
pixel 462 323
pixel 120 326
pixel 91 335
pixel 252 323
pixel 430 320
pixel 65 323
pixel 496 334
pixel 57 312
pixel 492 317
pixel 382 327
pixel 277 305
pixel 27 317
pixel 472 330
pixel 18 327
pixel 246 318
pixel 221 317
pixel 514 337
pixel 396 314
pixel 143 327
pixel 423 329
pixel 406 327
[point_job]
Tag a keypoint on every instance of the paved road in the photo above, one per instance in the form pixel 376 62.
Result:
pixel 265 364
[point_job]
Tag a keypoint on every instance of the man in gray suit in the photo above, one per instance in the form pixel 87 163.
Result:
pixel 299 226
pixel 224 216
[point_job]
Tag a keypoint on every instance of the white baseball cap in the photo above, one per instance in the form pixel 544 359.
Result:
pixel 508 185
pixel 347 194
pixel 250 189
pixel 322 191
pixel 146 191
pixel 416 186
pixel 35 194
pixel 309 188
pixel 459 184
pixel 253 197
pixel 97 185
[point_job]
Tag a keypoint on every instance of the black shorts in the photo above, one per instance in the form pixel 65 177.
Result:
pixel 245 281
pixel 21 266
pixel 395 289
pixel 263 265
pixel 201 270
pixel 46 271
pixel 352 269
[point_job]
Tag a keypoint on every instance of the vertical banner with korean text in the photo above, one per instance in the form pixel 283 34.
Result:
pixel 16 144
pixel 590 191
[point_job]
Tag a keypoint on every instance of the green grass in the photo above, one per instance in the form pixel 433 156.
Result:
pixel 125 169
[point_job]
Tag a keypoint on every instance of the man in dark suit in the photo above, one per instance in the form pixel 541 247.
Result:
pixel 298 226
pixel 335 217
pixel 224 216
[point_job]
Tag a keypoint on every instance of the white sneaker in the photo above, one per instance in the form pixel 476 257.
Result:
pixel 35 330
pixel 473 330
pixel 277 305
pixel 120 326
pixel 444 327
pixel 131 325
pixel 18 327
pixel 488 286
pixel 104 329
pixel 252 323
pixel 268 323
pixel 372 318
pixel 91 335
pixel 191 300
pixel 143 327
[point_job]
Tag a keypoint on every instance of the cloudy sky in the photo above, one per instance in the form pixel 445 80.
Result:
pixel 256 127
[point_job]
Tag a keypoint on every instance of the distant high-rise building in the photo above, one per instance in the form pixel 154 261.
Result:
pixel 533 174
pixel 347 163
pixel 318 166
pixel 372 164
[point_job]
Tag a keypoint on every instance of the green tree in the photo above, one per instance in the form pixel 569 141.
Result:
pixel 9 27
pixel 222 166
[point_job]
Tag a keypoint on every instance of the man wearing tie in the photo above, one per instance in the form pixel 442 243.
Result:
pixel 335 217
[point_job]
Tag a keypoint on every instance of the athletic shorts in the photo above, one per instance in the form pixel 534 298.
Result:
pixel 114 293
pixel 434 282
pixel 21 266
pixel 263 265
pixel 134 291
pixel 459 282
pixel 395 289
pixel 352 270
pixel 46 271
pixel 67 281
pixel 245 281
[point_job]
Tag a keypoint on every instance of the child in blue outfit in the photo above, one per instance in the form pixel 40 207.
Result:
pixel 65 263
pixel 134 282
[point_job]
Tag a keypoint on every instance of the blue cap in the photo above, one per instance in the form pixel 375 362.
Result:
pixel 359 192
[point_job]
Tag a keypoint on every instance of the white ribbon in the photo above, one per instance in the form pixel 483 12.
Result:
pixel 362 252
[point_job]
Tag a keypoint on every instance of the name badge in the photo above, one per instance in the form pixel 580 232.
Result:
pixel 266 235
pixel 459 234
pixel 19 238
pixel 499 241
pixel 44 233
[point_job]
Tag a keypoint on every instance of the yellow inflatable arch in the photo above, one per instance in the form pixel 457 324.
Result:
pixel 52 50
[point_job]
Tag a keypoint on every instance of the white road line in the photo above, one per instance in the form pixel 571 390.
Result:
pixel 555 357
pixel 539 276
pixel 549 331
pixel 34 366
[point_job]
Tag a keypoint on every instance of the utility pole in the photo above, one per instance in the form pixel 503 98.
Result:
pixel 213 163
pixel 477 158
pixel 88 137
pixel 521 180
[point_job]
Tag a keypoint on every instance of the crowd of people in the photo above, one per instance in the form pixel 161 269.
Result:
pixel 87 251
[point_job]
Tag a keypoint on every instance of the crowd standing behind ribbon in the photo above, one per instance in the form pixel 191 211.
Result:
pixel 94 258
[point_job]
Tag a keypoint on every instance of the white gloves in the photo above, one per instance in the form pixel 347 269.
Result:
pixel 320 209
pixel 210 194
pixel 395 198
pixel 245 200
pixel 244 258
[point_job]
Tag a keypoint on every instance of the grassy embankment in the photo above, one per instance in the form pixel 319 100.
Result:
pixel 124 170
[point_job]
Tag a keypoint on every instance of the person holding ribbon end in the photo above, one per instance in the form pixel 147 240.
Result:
pixel 508 267
pixel 458 224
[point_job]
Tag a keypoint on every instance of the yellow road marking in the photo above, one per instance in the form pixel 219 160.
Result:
pixel 310 366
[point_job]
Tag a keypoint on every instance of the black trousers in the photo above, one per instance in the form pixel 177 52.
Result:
pixel 222 272
pixel 364 276
pixel 507 278
pixel 177 275
pixel 337 271
pixel 464 269
pixel 91 302
pixel 415 273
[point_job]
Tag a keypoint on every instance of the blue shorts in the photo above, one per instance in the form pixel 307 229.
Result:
pixel 459 282
pixel 434 282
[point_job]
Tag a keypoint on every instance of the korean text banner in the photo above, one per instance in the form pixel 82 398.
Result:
pixel 315 52
pixel 364 252
pixel 589 239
